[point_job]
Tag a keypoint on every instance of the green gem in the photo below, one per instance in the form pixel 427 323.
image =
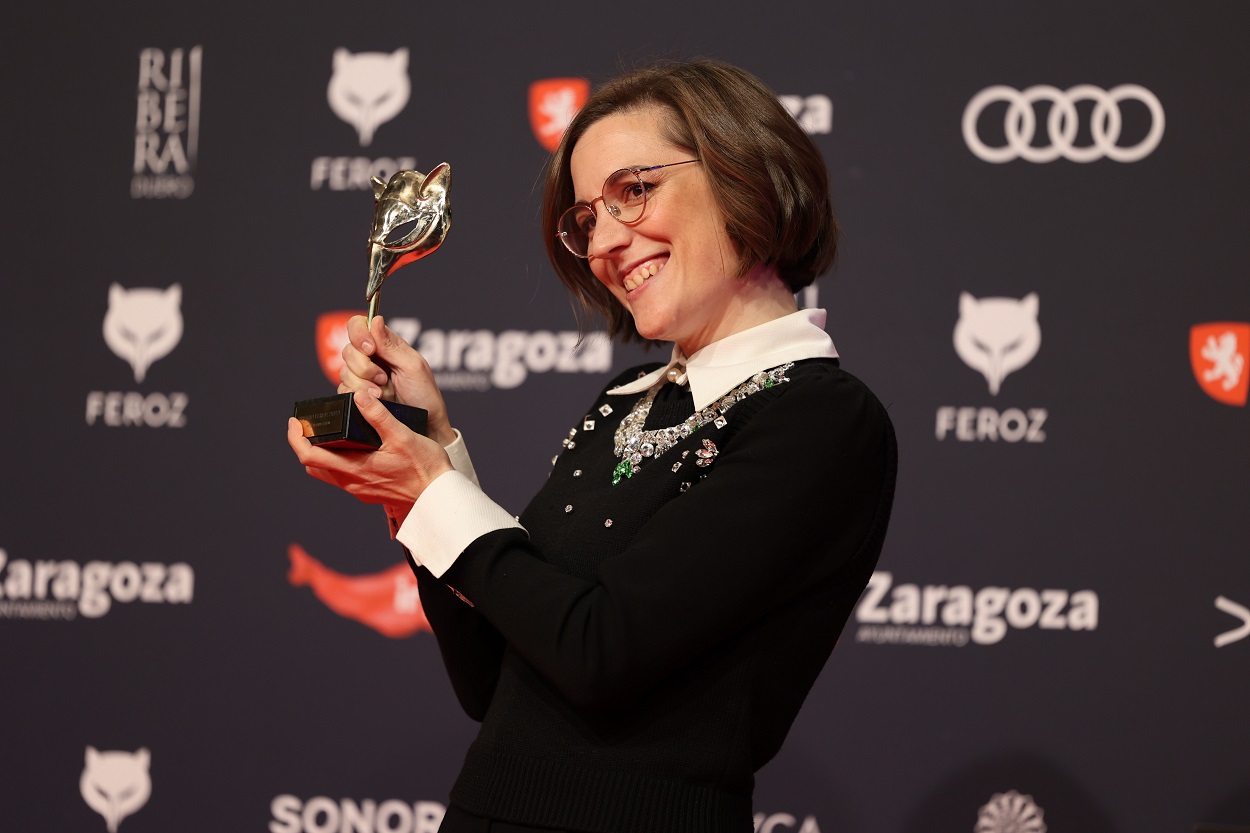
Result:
pixel 623 469
pixel 768 383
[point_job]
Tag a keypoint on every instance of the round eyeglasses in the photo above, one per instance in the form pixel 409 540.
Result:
pixel 624 196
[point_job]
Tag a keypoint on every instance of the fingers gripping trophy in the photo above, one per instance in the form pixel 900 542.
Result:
pixel 411 217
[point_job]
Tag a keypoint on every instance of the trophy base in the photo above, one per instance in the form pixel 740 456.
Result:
pixel 335 422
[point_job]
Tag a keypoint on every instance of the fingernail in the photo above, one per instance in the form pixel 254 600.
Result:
pixel 380 378
pixel 367 346
pixel 375 392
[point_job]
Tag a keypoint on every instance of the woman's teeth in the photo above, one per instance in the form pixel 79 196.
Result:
pixel 641 275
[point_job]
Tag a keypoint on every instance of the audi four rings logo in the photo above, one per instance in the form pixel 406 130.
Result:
pixel 1020 123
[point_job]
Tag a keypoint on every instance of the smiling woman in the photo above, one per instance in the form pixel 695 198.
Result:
pixel 637 644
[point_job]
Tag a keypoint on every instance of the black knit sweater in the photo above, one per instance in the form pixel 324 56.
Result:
pixel 645 648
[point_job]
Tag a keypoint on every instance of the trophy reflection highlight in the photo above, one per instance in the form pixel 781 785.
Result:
pixel 411 216
pixel 410 220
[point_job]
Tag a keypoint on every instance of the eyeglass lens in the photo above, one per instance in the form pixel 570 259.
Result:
pixel 624 197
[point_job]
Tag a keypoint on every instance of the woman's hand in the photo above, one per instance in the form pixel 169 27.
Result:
pixel 394 475
pixel 375 359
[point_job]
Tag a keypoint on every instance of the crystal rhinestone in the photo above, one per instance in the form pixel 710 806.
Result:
pixel 566 442
pixel 577 472
pixel 676 466
pixel 605 410
pixel 568 508
pixel 608 523
pixel 727 403
pixel 759 378
pixel 703 463
pixel 685 429
pixel 721 422
pixel 572 445
pixel 753 388
pixel 647 449
pixel 685 454
pixel 553 459
pixel 572 433
pixel 635 458
pixel 685 487
pixel 588 424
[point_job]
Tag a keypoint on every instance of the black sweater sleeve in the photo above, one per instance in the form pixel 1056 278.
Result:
pixel 803 490
pixel 471 647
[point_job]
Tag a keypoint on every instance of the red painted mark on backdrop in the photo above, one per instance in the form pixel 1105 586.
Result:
pixel 385 601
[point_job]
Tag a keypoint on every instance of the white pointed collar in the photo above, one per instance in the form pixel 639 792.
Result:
pixel 723 365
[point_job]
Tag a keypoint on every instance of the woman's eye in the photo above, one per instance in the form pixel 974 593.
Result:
pixel 635 192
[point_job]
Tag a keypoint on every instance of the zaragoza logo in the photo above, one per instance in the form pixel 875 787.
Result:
pixel 116 784
pixel 387 601
pixel 331 338
pixel 553 104
pixel 1220 352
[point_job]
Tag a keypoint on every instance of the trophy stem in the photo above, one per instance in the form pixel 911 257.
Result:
pixel 373 307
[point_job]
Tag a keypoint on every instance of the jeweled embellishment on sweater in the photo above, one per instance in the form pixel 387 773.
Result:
pixel 633 445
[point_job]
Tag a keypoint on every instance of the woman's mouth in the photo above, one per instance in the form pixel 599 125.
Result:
pixel 642 273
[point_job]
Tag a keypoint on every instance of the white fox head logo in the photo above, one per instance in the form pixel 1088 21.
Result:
pixel 143 325
pixel 368 89
pixel 116 784
pixel 997 335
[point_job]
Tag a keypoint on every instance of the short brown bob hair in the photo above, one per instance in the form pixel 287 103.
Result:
pixel 766 175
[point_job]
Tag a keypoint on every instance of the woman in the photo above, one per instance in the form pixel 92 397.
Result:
pixel 640 642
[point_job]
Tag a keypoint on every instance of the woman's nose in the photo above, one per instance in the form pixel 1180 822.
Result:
pixel 610 233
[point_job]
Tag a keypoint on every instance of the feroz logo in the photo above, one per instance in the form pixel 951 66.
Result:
pixel 814 113
pixel 141 326
pixel 1219 353
pixel 167 123
pixel 366 90
pixel 1233 609
pixel 553 104
pixel 940 615
pixel 387 601
pixel 1020 123
pixel 995 337
pixel 116 784
pixel 1010 812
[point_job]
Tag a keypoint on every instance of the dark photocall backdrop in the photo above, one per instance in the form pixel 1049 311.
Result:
pixel 1043 275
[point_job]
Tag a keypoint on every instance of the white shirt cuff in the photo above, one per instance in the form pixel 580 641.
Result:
pixel 451 513
pixel 458 453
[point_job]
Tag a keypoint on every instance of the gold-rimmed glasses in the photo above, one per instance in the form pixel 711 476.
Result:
pixel 624 195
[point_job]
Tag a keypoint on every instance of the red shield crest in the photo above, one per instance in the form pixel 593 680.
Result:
pixel 1220 355
pixel 331 338
pixel 553 103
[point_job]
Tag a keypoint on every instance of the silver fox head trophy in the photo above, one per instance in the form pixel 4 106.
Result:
pixel 411 217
